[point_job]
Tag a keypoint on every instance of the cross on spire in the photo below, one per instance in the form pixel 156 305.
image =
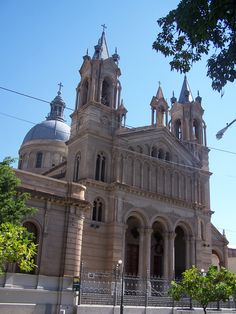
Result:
pixel 103 27
pixel 60 87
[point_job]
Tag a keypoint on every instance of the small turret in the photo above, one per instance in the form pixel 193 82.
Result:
pixel 159 109
pixel 57 107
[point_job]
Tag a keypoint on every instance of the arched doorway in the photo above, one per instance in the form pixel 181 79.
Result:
pixel 157 251
pixel 31 228
pixel 132 239
pixel 180 252
pixel 215 260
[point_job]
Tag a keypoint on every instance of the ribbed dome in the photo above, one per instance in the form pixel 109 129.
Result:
pixel 48 130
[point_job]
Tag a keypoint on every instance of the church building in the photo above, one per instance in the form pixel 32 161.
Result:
pixel 107 192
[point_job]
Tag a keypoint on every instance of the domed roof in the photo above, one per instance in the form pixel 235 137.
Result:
pixel 54 127
pixel 48 130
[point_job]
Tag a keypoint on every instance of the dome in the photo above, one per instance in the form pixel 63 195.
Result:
pixel 48 130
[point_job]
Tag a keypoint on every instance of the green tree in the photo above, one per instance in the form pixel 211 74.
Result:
pixel 203 287
pixel 196 28
pixel 13 206
pixel 16 246
pixel 16 243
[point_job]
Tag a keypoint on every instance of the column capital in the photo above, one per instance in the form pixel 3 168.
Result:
pixel 148 230
pixel 172 235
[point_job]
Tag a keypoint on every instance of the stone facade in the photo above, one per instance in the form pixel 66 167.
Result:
pixel 140 195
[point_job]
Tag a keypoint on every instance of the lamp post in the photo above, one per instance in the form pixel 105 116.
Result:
pixel 120 264
pixel 220 133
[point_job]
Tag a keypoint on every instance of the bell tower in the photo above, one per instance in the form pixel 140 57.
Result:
pixel 98 93
pixel 187 122
pixel 98 113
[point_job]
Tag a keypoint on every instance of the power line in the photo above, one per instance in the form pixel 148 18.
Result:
pixel 21 119
pixel 40 99
pixel 29 96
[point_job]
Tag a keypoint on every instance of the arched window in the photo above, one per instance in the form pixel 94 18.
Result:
pixel 177 129
pixel 84 92
pixel 100 167
pixel 195 129
pixel 39 158
pixel 154 152
pixel 160 154
pixel 167 156
pixel 105 97
pixel 77 165
pixel 98 209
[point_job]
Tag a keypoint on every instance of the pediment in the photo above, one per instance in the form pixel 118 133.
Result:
pixel 142 140
pixel 216 235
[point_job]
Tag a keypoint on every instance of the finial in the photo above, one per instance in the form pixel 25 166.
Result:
pixel 60 87
pixel 173 98
pixel 86 57
pixel 115 56
pixel 198 98
pixel 103 27
pixel 159 83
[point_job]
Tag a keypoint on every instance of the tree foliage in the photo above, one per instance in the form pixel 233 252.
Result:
pixel 17 246
pixel 13 206
pixel 206 287
pixel 196 28
pixel 16 243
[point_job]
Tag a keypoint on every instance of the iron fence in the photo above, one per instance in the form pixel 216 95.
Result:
pixel 105 288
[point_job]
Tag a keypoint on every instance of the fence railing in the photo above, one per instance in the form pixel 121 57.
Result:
pixel 105 288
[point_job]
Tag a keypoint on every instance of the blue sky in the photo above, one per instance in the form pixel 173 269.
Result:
pixel 42 43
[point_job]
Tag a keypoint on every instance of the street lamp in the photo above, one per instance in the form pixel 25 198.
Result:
pixel 220 133
pixel 122 287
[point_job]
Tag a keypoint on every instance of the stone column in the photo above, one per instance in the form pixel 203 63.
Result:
pixel 166 255
pixel 118 170
pixel 192 244
pixel 148 237
pixel 225 254
pixel 141 179
pixel 152 116
pixel 141 252
pixel 74 242
pixel 124 172
pixel 171 255
pixel 187 253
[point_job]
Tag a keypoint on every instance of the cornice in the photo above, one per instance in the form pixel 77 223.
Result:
pixel 117 186
pixel 64 201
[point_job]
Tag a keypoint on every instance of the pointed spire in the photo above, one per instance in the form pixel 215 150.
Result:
pixel 159 94
pixel 185 94
pixel 101 50
pixel 57 107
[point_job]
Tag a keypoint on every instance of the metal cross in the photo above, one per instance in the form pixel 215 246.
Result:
pixel 104 27
pixel 60 87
